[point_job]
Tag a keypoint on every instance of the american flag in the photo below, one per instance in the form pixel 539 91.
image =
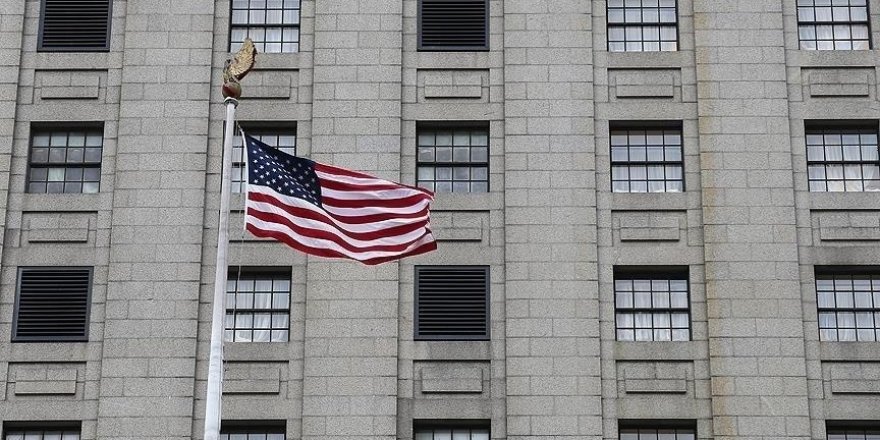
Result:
pixel 333 212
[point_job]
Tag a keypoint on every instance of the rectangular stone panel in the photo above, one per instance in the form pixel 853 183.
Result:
pixel 463 226
pixel 852 377
pixel 58 227
pixel 649 225
pixel 644 83
pixel 272 84
pixel 69 84
pixel 653 377
pixel 846 225
pixel 839 82
pixel 452 84
pixel 253 377
pixel 43 378
pixel 442 377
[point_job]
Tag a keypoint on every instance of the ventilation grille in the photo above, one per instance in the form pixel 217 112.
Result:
pixel 452 303
pixel 454 25
pixel 53 305
pixel 75 25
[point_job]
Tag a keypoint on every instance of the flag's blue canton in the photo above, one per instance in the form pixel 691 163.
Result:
pixel 288 175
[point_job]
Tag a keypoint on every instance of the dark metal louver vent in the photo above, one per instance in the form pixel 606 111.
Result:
pixel 52 304
pixel 452 303
pixel 453 24
pixel 75 25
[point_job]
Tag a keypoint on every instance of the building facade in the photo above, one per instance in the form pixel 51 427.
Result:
pixel 657 219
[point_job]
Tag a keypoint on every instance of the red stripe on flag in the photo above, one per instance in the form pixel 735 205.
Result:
pixel 352 220
pixel 329 253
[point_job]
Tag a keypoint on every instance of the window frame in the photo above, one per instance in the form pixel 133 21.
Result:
pixel 228 427
pixel 47 128
pixel 421 47
pixel 630 126
pixel 417 336
pixel 850 23
pixel 15 311
pixel 657 425
pixel 851 427
pixel 452 126
pixel 822 127
pixel 264 26
pixel 846 271
pixel 272 273
pixel 42 48
pixel 470 424
pixel 667 273
pixel 609 25
pixel 43 427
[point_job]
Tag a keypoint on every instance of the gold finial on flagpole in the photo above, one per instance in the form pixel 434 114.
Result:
pixel 237 68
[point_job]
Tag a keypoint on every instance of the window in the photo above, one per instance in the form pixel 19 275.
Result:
pixel 652 305
pixel 642 26
pixel 453 24
pixel 458 430
pixel 257 306
pixel 843 159
pixel 849 305
pixel 80 25
pixel 61 433
pixel 66 161
pixel 646 160
pixel 452 303
pixel 52 304
pixel 849 433
pixel 282 139
pixel 273 25
pixel 648 433
pixel 833 24
pixel 453 159
pixel 250 431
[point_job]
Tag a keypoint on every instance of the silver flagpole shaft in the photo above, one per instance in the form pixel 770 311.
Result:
pixel 215 365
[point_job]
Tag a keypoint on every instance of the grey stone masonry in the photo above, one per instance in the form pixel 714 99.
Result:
pixel 746 230
pixel 756 332
pixel 552 344
pixel 351 328
pixel 147 388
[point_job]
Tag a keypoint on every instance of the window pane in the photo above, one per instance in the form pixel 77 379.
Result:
pixel 252 322
pixel 632 147
pixel 466 147
pixel 659 295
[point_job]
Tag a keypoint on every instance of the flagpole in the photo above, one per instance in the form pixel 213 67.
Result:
pixel 218 318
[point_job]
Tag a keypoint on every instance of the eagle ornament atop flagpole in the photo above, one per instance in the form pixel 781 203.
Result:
pixel 234 70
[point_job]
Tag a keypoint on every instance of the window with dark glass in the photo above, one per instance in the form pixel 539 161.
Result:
pixel 454 430
pixel 853 433
pixel 642 25
pixel 646 160
pixel 452 302
pixel 843 159
pixel 453 25
pixel 40 433
pixel 833 24
pixel 273 25
pixel 649 433
pixel 453 158
pixel 65 160
pixel 652 305
pixel 849 305
pixel 283 139
pixel 75 26
pixel 52 304
pixel 257 306
pixel 269 430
